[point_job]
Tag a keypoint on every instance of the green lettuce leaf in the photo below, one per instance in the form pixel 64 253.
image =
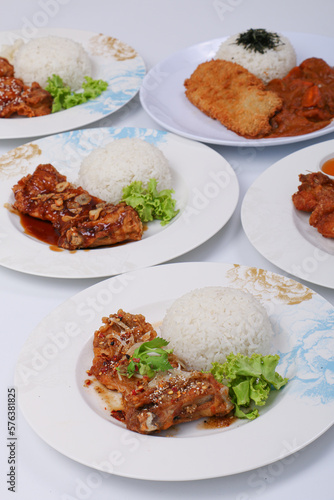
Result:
pixel 250 380
pixel 64 98
pixel 149 203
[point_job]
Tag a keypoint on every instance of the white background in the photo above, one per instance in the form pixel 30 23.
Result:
pixel 156 29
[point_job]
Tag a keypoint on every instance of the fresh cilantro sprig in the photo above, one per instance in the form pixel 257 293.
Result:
pixel 149 358
pixel 250 380
pixel 149 202
pixel 64 97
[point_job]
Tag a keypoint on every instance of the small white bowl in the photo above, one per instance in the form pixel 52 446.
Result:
pixel 323 161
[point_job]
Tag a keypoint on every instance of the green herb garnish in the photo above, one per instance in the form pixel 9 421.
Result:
pixel 149 203
pixel 150 358
pixel 258 40
pixel 250 380
pixel 64 98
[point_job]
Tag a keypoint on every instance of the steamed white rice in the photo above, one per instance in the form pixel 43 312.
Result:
pixel 207 324
pixel 105 171
pixel 40 58
pixel 273 63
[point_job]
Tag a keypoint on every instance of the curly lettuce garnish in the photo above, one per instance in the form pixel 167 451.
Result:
pixel 149 203
pixel 65 98
pixel 250 380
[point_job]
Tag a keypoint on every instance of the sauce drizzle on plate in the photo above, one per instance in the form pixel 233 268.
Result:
pixel 40 229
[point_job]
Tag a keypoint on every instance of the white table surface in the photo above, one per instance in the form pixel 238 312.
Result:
pixel 156 29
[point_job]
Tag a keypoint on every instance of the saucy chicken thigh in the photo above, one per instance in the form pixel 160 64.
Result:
pixel 18 98
pixel 152 403
pixel 80 219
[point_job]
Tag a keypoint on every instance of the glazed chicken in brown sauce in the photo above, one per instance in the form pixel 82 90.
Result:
pixel 18 98
pixel 80 219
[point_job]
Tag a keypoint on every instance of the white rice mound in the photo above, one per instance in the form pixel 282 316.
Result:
pixel 40 58
pixel 205 325
pixel 273 63
pixel 105 171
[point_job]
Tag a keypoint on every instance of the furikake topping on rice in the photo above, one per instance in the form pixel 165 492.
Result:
pixel 258 40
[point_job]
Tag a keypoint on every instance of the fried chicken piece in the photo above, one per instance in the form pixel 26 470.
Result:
pixel 114 342
pixel 10 95
pixel 47 195
pixel 312 188
pixel 173 398
pixel 231 94
pixel 316 195
pixel 114 224
pixel 17 98
pixel 81 220
pixel 38 100
pixel 6 69
pixel 322 216
pixel 152 404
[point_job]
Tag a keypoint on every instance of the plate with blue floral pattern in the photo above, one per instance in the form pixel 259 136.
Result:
pixel 204 185
pixel 112 60
pixel 70 416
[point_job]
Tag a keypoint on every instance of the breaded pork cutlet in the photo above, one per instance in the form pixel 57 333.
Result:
pixel 231 94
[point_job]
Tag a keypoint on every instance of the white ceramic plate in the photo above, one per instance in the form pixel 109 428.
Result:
pixel 206 190
pixel 51 371
pixel 162 93
pixel 281 233
pixel 112 60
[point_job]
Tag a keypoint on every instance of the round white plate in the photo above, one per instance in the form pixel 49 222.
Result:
pixel 51 372
pixel 281 233
pixel 112 60
pixel 162 93
pixel 204 183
